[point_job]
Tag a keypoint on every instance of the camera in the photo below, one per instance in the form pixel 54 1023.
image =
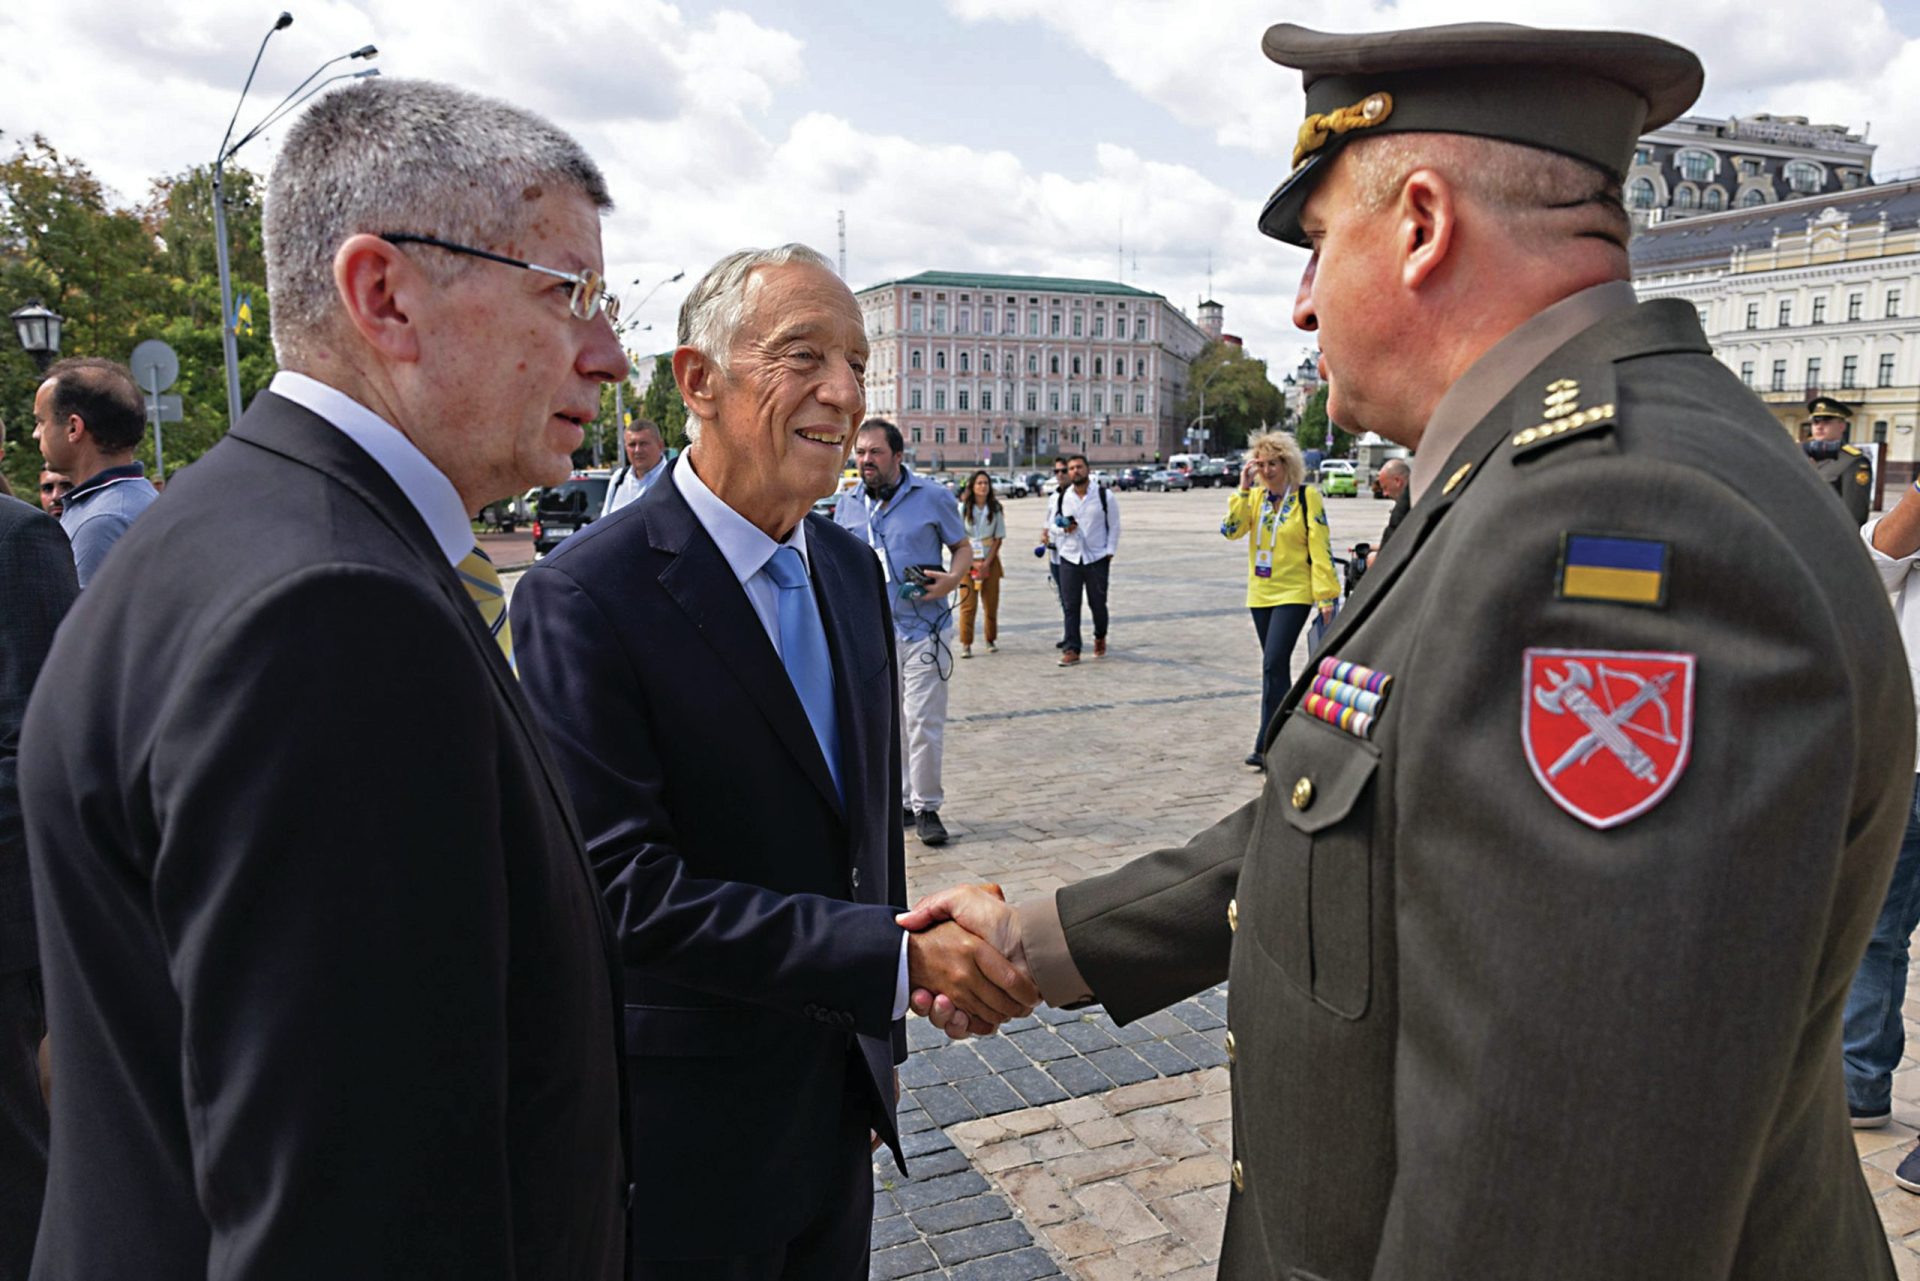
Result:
pixel 1064 522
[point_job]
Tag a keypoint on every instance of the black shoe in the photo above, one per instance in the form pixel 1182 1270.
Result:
pixel 1907 1175
pixel 932 830
pixel 1869 1118
pixel 1256 760
pixel 1059 644
pixel 906 817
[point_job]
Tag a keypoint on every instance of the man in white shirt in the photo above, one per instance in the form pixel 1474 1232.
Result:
pixel 1085 529
pixel 646 463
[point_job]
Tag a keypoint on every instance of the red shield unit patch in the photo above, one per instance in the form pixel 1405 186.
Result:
pixel 1607 733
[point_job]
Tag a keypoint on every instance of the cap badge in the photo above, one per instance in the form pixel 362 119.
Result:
pixel 1317 128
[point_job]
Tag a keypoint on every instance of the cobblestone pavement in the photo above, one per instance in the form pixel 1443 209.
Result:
pixel 1055 774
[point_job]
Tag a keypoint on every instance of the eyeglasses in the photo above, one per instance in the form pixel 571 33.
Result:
pixel 589 295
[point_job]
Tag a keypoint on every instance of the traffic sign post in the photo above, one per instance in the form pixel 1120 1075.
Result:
pixel 155 367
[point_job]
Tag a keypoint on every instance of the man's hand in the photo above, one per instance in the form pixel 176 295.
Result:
pixel 975 976
pixel 946 584
pixel 983 911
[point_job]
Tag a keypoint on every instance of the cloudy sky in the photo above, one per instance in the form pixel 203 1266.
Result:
pixel 1100 138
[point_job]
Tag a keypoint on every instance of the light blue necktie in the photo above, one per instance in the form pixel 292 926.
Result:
pixel 803 648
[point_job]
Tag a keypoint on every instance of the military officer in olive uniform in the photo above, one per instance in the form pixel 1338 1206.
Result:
pixel 1848 470
pixel 1571 841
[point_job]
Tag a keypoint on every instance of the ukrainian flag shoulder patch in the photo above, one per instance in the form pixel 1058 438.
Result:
pixel 1608 567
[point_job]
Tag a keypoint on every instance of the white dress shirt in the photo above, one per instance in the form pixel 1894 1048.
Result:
pixel 747 549
pixel 1096 532
pixel 631 485
pixel 425 485
pixel 1896 575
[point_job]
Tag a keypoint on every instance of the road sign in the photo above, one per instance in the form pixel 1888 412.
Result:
pixel 169 407
pixel 154 367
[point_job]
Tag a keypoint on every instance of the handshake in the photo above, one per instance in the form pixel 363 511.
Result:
pixel 966 965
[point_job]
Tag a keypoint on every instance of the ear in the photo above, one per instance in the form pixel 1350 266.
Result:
pixel 378 287
pixel 1428 217
pixel 698 378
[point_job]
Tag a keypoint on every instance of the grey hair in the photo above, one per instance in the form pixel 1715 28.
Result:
pixel 712 313
pixel 1509 177
pixel 1396 467
pixel 1281 445
pixel 402 155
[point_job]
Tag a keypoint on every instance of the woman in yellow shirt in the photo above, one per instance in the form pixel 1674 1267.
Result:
pixel 1289 561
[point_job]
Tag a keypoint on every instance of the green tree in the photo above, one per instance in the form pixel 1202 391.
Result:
pixel 1317 431
pixel 1239 397
pixel 662 403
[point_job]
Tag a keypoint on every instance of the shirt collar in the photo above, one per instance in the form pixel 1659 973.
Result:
pixel 424 484
pixel 104 477
pixel 1497 372
pixel 746 548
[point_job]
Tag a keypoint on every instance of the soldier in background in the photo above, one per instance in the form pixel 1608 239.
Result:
pixel 1839 464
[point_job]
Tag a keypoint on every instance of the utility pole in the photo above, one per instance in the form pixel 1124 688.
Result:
pixel 843 244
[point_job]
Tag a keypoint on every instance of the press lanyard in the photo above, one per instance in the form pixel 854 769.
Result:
pixel 1267 534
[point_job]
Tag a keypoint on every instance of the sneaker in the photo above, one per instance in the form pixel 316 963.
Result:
pixel 1070 658
pixel 1099 647
pixel 932 830
pixel 906 816
pixel 992 648
pixel 1870 1118
pixel 1257 760
pixel 1907 1175
pixel 966 651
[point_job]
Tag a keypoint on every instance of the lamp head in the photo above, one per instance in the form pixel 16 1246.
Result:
pixel 365 51
pixel 284 21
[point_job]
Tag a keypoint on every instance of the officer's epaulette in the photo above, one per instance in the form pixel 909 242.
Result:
pixel 1570 405
pixel 1848 449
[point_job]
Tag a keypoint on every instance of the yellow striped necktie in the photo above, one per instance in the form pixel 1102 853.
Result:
pixel 482 582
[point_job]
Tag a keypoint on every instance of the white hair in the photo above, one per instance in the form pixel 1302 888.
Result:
pixel 1509 177
pixel 1281 445
pixel 711 316
pixel 383 156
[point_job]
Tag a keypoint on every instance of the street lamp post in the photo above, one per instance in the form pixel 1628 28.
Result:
pixel 228 346
pixel 39 332
pixel 620 388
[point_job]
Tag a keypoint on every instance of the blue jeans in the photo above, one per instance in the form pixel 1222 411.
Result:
pixel 1279 628
pixel 1871 1033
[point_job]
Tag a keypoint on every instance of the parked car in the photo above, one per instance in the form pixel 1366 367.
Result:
pixel 1337 479
pixel 1011 486
pixel 1131 477
pixel 1211 474
pixel 571 505
pixel 1036 483
pixel 1167 481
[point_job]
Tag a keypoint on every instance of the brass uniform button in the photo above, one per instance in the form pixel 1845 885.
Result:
pixel 1232 1053
pixel 1303 793
pixel 1239 1178
pixel 1233 914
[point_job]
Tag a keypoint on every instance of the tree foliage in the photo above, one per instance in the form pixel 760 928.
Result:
pixel 1317 431
pixel 120 275
pixel 1238 396
pixel 662 403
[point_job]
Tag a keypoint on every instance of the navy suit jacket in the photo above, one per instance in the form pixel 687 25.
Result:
pixel 754 911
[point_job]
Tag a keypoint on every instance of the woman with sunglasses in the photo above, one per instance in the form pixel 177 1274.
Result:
pixel 1289 561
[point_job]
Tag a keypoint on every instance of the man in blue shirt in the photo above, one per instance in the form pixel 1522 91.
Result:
pixel 646 463
pixel 906 520
pixel 89 417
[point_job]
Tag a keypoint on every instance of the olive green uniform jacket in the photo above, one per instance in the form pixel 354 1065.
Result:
pixel 1850 474
pixel 1473 1035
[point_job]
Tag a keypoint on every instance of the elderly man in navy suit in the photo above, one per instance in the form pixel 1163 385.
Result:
pixel 714 669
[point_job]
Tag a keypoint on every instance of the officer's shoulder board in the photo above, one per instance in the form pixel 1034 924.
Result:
pixel 1567 405
pixel 1849 449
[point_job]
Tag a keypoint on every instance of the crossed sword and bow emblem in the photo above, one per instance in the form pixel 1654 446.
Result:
pixel 1607 727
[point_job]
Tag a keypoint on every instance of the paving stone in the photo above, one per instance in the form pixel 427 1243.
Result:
pixel 920 1069
pixel 1121 1214
pixel 944 1104
pixel 1131 1034
pixel 1085 1036
pixel 1077 1076
pixel 922 1035
pixel 956 1063
pixel 893 1231
pixel 1048 1014
pixel 1196 1016
pixel 1199 1049
pixel 1031 1264
pixel 1163 1058
pixel 1162 1024
pixel 1150 1094
pixel 913 1121
pixel 951 1216
pixel 1122 1065
pixel 1000 1053
pixel 901 1261
pixel 977 1242
pixel 1039 1195
pixel 948 1160
pixel 923 1142
pixel 1041 1045
pixel 1076 1238
pixel 917 1193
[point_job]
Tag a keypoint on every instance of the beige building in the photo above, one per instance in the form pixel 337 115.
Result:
pixel 1819 296
pixel 1002 371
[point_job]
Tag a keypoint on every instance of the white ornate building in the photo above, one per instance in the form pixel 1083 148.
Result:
pixel 1809 297
pixel 1004 370
pixel 1702 165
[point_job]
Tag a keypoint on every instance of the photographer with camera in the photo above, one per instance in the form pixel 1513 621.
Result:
pixel 907 520
pixel 1084 525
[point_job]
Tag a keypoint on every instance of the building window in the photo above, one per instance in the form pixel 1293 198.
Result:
pixel 1139 436
pixel 1856 304
pixel 1713 200
pixel 940 434
pixel 1079 325
pixel 940 318
pixel 962 401
pixel 1749 167
pixel 939 397
pixel 963 405
pixel 1053 402
pixel 1033 401
pixel 1640 193
pixel 1643 155
pixel 1880 431
pixel 1813 373
pixel 1140 329
pixel 1140 368
pixel 986 362
pixel 1779 376
pixel 1099 366
pixel 1139 407
pixel 1696 166
pixel 1033 362
pixel 1886 369
pixel 1099 326
pixel 1053 364
pixel 916 430
pixel 1746 372
pixel 965 359
pixel 1803 177
pixel 986 322
pixel 939 360
pixel 1753 315
pixel 1033 324
pixel 913 401
pixel 963 323
pixel 1893 304
pixel 986 400
pixel 1096 435
pixel 1751 197
pixel 1786 312
pixel 1819 311
pixel 1099 402
pixel 1850 371
pixel 913 358
pixel 1076 366
pixel 917 317
pixel 1053 325
pixel 1683 197
pixel 1703 316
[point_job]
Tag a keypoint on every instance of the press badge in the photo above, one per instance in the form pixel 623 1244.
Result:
pixel 1263 563
pixel 886 569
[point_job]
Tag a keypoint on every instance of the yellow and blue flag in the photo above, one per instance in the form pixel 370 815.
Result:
pixel 1627 571
pixel 243 316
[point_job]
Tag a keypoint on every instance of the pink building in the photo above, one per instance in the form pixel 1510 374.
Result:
pixel 1002 371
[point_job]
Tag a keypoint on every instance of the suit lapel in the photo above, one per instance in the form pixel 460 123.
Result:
pixel 698 579
pixel 835 588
